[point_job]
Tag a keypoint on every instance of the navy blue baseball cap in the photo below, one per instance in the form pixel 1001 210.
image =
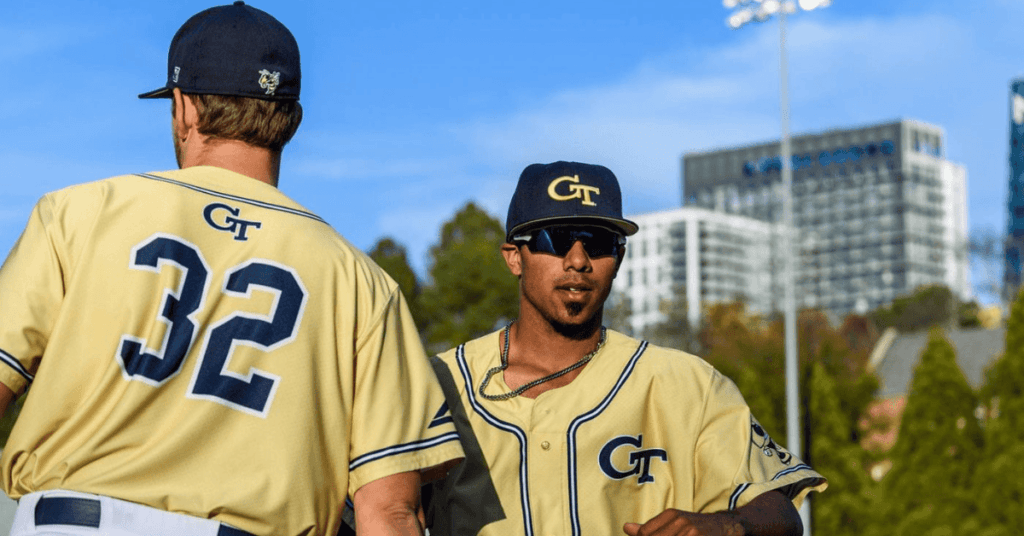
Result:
pixel 566 192
pixel 233 50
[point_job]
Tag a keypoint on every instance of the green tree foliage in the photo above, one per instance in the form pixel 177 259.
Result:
pixel 843 354
pixel 617 311
pixel 927 306
pixel 999 482
pixel 939 444
pixel 751 351
pixel 471 290
pixel 391 256
pixel 675 331
pixel 843 508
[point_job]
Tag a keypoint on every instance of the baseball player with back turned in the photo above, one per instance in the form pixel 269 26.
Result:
pixel 570 428
pixel 205 356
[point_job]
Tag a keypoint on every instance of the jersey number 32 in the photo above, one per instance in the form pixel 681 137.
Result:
pixel 251 393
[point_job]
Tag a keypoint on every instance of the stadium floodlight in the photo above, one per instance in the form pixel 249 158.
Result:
pixel 808 5
pixel 760 11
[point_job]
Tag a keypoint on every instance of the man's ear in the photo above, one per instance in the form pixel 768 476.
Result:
pixel 185 116
pixel 513 258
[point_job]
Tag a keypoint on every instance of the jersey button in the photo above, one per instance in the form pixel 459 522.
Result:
pixel 545 445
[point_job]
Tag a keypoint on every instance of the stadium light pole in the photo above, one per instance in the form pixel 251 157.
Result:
pixel 746 12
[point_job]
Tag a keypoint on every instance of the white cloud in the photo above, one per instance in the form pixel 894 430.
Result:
pixel 841 74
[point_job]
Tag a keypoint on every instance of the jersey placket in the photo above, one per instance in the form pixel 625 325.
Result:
pixel 548 470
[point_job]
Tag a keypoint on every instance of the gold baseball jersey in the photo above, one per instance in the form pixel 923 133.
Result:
pixel 197 342
pixel 640 430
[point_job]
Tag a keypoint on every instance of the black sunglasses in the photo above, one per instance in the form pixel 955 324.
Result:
pixel 558 240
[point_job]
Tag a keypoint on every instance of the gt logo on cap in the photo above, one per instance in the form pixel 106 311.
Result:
pixel 270 80
pixel 577 191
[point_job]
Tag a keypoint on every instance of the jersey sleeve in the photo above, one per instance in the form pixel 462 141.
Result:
pixel 31 292
pixel 400 421
pixel 736 460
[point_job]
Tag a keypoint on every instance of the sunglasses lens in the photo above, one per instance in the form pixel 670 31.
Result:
pixel 597 242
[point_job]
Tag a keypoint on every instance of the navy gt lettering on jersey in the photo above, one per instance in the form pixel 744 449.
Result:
pixel 225 218
pixel 640 460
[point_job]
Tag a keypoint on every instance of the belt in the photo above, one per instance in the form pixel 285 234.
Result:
pixel 80 512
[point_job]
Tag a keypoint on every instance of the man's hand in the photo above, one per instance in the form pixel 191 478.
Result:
pixel 769 514
pixel 673 522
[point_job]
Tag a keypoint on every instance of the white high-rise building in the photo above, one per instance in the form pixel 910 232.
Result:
pixel 697 256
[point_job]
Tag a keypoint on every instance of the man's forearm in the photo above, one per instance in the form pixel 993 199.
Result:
pixel 390 506
pixel 397 522
pixel 769 514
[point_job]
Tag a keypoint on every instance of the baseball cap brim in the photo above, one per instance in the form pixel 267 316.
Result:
pixel 626 227
pixel 162 93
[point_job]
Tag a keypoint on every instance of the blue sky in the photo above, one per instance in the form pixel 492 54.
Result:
pixel 414 108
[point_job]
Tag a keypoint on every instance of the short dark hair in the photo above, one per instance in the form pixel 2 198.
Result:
pixel 264 123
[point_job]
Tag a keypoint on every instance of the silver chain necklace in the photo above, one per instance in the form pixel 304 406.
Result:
pixel 522 388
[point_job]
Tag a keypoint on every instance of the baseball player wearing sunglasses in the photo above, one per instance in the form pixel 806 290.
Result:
pixel 571 428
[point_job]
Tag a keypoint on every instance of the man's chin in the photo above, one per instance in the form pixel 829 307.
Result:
pixel 576 324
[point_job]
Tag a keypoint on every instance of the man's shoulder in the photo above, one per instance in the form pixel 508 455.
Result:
pixel 473 350
pixel 79 200
pixel 662 361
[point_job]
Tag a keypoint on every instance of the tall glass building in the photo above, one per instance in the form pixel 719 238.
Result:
pixel 1015 203
pixel 878 210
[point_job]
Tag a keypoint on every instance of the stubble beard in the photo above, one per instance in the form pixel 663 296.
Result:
pixel 580 330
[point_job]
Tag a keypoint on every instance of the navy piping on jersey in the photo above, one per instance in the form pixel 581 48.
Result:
pixel 736 495
pixel 743 487
pixel 399 449
pixel 795 468
pixel 223 195
pixel 524 486
pixel 9 360
pixel 574 507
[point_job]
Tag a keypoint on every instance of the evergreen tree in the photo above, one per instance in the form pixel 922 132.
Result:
pixel 391 257
pixel 999 483
pixel 928 489
pixel 471 291
pixel 844 508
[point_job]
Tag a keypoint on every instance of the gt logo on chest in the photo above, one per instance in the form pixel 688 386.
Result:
pixel 225 218
pixel 639 460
